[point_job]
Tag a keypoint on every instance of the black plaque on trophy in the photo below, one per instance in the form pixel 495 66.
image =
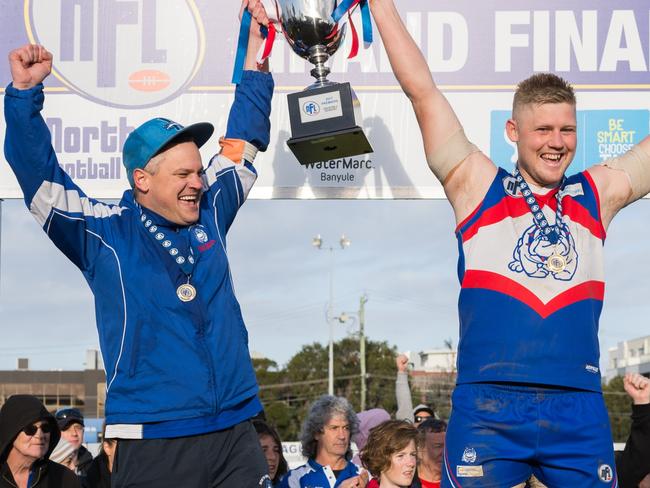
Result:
pixel 323 124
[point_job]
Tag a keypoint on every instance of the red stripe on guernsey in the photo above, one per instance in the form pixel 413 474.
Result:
pixel 594 189
pixel 492 281
pixel 507 207
pixel 467 219
pixel 450 473
pixel 516 207
pixel 581 215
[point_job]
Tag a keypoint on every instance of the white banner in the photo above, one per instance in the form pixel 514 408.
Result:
pixel 117 64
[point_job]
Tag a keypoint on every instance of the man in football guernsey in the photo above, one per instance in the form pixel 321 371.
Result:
pixel 528 397
pixel 180 386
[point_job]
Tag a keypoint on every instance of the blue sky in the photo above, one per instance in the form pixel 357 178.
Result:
pixel 403 256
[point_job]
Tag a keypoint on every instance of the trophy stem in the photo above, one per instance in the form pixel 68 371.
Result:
pixel 318 56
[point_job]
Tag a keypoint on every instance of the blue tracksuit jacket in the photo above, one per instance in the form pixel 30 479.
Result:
pixel 172 368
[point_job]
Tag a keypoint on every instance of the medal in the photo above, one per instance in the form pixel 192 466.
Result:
pixel 186 292
pixel 173 244
pixel 555 263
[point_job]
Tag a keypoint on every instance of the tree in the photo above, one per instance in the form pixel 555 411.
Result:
pixel 619 407
pixel 287 394
pixel 272 393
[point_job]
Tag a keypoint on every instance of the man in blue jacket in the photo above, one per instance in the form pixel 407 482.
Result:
pixel 325 437
pixel 180 385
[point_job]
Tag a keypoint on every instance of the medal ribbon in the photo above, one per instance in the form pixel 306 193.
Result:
pixel 242 47
pixel 171 245
pixel 354 49
pixel 347 6
pixel 268 33
pixel 551 232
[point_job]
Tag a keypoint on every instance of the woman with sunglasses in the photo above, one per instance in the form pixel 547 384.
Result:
pixel 28 434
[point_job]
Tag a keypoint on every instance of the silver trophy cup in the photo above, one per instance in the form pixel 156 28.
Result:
pixel 325 117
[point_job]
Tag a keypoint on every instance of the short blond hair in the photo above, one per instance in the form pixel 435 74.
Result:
pixel 543 88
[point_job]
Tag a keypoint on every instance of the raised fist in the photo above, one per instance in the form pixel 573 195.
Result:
pixel 29 65
pixel 638 387
pixel 402 363
pixel 256 8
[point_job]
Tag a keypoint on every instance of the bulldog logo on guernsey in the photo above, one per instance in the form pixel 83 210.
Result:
pixel 469 455
pixel 114 53
pixel 533 251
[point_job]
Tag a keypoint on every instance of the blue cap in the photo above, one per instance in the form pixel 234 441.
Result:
pixel 151 137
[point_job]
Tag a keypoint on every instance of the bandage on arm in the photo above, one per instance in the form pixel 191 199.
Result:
pixel 636 165
pixel 237 150
pixel 450 154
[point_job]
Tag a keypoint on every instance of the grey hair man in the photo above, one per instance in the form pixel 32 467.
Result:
pixel 325 438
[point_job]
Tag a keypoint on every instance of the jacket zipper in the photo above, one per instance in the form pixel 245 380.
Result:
pixel 38 474
pixel 208 358
pixel 9 481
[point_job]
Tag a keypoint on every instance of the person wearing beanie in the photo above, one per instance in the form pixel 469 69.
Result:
pixel 368 419
pixel 180 385
pixel 28 435
pixel 421 413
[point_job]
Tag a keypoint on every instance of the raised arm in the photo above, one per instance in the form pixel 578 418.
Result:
pixel 633 464
pixel 445 144
pixel 403 390
pixel 64 212
pixel 231 174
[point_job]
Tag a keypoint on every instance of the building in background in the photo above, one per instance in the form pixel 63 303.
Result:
pixel 433 376
pixel 84 389
pixel 631 356
pixel 440 361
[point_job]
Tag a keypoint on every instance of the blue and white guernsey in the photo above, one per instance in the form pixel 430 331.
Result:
pixel 173 368
pixel 519 321
pixel 314 475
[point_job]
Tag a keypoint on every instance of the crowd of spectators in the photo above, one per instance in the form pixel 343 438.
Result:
pixel 38 449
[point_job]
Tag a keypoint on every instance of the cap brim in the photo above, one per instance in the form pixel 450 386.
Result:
pixel 68 422
pixel 427 409
pixel 199 132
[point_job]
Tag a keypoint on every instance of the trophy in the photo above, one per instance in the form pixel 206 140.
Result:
pixel 326 116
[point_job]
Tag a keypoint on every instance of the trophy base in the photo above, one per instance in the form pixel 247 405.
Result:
pixel 336 144
pixel 325 123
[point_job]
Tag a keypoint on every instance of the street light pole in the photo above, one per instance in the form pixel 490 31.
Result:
pixel 330 322
pixel 362 349
pixel 317 242
pixel 361 315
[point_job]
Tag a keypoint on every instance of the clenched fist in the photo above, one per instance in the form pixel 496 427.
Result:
pixel 29 65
